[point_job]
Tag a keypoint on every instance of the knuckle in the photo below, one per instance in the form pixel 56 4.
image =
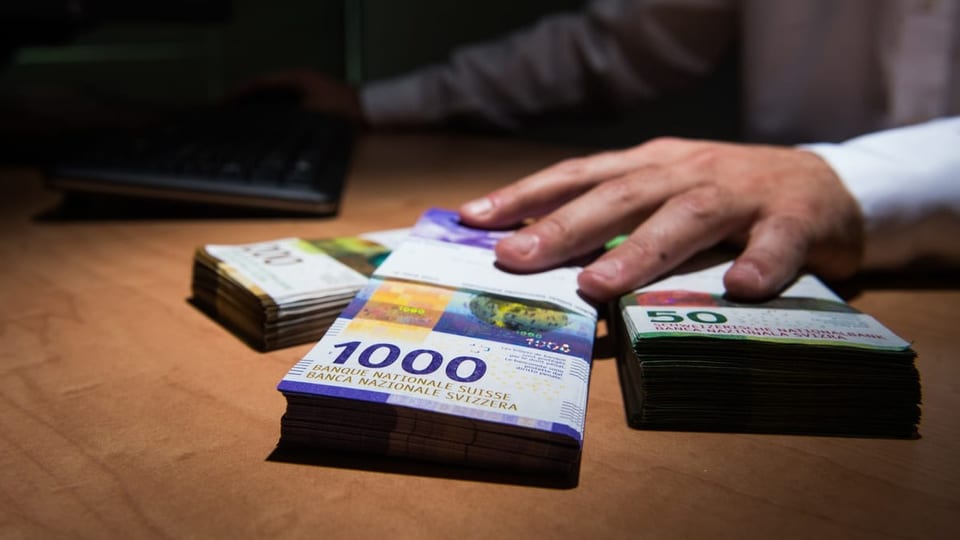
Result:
pixel 707 159
pixel 557 231
pixel 809 207
pixel 573 168
pixel 790 228
pixel 659 144
pixel 639 249
pixel 768 260
pixel 622 189
pixel 705 203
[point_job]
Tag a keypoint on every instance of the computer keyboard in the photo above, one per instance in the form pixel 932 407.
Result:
pixel 278 158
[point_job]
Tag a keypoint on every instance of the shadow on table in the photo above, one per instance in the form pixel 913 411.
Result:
pixel 341 460
pixel 920 276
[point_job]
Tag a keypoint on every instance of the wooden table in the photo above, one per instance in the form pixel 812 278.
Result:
pixel 126 413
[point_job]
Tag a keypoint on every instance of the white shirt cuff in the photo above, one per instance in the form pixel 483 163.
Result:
pixel 907 181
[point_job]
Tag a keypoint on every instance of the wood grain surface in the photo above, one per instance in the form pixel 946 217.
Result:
pixel 126 413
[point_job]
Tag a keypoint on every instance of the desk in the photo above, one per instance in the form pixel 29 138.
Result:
pixel 126 413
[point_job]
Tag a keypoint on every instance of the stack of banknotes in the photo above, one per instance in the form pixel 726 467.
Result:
pixel 443 357
pixel 805 362
pixel 286 291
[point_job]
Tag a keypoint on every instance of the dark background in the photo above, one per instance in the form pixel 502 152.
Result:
pixel 146 59
pixel 111 68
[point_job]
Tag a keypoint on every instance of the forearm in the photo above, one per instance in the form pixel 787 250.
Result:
pixel 907 182
pixel 617 51
pixel 526 73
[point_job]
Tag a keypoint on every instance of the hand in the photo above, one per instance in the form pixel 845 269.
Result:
pixel 676 198
pixel 318 92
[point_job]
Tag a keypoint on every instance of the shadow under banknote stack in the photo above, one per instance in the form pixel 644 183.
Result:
pixel 445 358
pixel 805 362
pixel 287 291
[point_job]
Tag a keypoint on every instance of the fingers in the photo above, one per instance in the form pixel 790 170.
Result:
pixel 545 191
pixel 678 198
pixel 685 225
pixel 585 223
pixel 774 254
pixel 815 224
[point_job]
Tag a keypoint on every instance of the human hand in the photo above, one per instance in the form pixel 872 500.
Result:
pixel 317 92
pixel 675 198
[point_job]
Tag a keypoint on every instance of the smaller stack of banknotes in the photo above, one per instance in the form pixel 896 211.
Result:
pixel 804 363
pixel 444 357
pixel 287 291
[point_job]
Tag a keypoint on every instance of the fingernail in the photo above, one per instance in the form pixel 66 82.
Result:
pixel 522 244
pixel 748 274
pixel 743 280
pixel 479 207
pixel 607 270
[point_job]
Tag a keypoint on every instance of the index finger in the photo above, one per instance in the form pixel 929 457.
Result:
pixel 546 190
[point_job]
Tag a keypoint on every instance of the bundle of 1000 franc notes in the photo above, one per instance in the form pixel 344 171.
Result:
pixel 444 357
pixel 287 291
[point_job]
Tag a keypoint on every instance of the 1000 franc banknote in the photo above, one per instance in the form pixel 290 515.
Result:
pixel 286 270
pixel 286 291
pixel 441 329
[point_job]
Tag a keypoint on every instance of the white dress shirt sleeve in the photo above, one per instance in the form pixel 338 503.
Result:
pixel 907 181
